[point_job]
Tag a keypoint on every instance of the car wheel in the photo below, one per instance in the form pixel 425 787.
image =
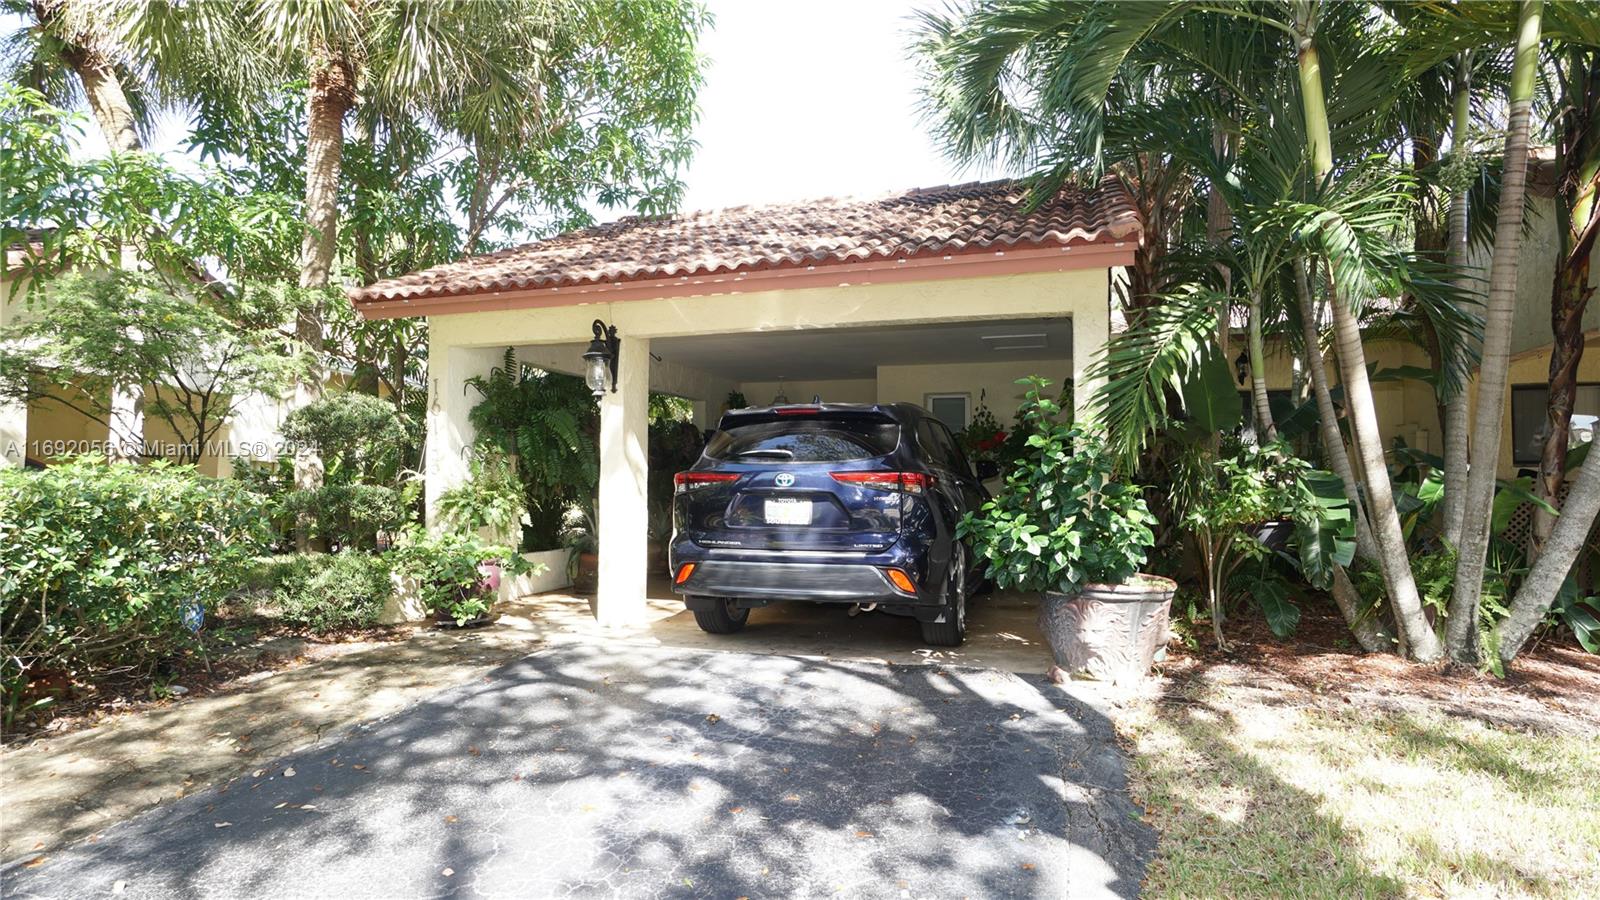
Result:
pixel 953 630
pixel 724 617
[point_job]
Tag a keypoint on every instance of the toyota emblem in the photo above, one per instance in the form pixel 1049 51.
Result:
pixel 784 479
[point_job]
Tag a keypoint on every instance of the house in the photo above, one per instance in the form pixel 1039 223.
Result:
pixel 56 426
pixel 940 296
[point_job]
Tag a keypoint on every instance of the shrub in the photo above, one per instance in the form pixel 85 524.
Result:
pixel 1063 519
pixel 446 567
pixel 365 487
pixel 326 592
pixel 100 563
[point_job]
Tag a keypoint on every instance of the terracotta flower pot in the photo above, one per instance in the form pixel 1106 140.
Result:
pixel 1109 632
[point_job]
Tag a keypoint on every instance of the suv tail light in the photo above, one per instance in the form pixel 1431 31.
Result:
pixel 905 482
pixel 684 482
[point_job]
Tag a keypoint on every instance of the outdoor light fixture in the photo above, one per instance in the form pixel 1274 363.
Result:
pixel 601 356
pixel 1241 366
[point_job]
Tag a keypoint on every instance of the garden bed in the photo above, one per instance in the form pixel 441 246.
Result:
pixel 1303 768
pixel 237 653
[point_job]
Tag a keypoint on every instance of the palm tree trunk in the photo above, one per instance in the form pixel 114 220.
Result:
pixel 1578 217
pixel 1265 428
pixel 1544 580
pixel 1457 418
pixel 1333 447
pixel 108 102
pixel 329 96
pixel 1396 565
pixel 1461 638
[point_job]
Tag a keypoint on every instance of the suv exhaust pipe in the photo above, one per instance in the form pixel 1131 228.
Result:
pixel 858 609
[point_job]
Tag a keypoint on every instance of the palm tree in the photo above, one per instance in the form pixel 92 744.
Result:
pixel 453 65
pixel 1461 635
pixel 1085 48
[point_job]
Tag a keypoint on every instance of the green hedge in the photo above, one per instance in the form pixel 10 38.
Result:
pixel 100 561
pixel 333 590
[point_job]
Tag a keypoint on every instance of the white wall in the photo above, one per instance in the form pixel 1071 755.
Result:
pixel 836 390
pixel 912 384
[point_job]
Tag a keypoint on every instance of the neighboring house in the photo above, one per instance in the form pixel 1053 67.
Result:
pixel 1407 408
pixel 48 429
pixel 940 296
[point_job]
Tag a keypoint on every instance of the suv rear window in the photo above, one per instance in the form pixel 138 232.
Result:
pixel 805 440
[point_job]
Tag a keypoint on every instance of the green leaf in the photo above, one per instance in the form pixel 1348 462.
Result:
pixel 1209 394
pixel 1272 596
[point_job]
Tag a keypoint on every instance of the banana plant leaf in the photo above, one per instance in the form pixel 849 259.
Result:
pixel 1209 395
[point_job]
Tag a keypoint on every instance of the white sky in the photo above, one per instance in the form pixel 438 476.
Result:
pixel 803 99
pixel 810 99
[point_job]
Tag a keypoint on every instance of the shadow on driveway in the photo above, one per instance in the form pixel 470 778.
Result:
pixel 622 770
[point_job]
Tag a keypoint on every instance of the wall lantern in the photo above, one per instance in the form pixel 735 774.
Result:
pixel 1241 367
pixel 601 356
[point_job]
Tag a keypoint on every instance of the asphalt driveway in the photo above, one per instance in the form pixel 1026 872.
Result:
pixel 616 770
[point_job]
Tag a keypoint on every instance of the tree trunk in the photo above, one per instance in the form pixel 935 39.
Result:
pixel 1457 418
pixel 1396 565
pixel 1266 429
pixel 1461 639
pixel 1569 297
pixel 1338 457
pixel 108 102
pixel 1544 580
pixel 1578 217
pixel 329 96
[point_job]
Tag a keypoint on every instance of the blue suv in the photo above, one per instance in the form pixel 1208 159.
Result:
pixel 836 503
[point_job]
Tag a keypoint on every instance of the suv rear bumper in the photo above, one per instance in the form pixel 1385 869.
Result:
pixel 819 582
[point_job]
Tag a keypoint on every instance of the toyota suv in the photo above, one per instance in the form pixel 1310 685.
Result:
pixel 833 503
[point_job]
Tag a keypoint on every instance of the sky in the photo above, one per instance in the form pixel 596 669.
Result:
pixel 810 99
pixel 803 99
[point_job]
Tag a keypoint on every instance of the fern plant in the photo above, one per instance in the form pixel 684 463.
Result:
pixel 549 423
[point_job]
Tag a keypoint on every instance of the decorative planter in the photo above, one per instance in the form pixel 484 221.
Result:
pixel 586 576
pixel 1109 632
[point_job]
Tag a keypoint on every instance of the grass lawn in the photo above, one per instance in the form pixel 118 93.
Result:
pixel 1267 784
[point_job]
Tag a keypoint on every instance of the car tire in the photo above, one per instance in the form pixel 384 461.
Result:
pixel 952 632
pixel 724 617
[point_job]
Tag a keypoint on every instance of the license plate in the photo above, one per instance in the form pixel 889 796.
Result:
pixel 788 512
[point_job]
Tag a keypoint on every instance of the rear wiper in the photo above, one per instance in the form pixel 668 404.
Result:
pixel 778 452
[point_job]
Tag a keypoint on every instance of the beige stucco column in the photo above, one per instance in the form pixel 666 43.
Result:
pixel 624 466
pixel 450 433
pixel 1091 329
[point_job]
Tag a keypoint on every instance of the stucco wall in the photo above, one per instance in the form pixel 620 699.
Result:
pixel 837 390
pixel 994 383
pixel 1536 268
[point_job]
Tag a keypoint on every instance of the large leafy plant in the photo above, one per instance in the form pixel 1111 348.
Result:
pixel 101 564
pixel 1063 519
pixel 448 568
pixel 548 423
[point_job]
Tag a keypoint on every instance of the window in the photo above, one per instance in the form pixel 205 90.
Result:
pixel 1530 423
pixel 805 440
pixel 951 409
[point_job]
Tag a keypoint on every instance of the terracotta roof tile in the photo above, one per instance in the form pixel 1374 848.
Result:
pixel 942 220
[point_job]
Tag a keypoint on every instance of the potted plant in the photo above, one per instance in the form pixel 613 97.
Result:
pixel 455 584
pixel 581 538
pixel 490 504
pixel 1065 526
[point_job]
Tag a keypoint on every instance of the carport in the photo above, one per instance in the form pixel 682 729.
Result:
pixel 926 296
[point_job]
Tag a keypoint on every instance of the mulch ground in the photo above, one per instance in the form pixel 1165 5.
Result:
pixel 1554 686
pixel 232 658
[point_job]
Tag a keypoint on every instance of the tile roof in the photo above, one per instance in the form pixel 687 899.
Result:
pixel 925 222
